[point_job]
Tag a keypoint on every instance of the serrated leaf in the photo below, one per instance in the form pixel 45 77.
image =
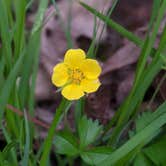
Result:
pixel 96 155
pixel 65 143
pixel 157 152
pixel 88 131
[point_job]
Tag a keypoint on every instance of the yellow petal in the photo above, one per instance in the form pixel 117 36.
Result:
pixel 90 86
pixel 74 57
pixel 59 76
pixel 91 68
pixel 72 92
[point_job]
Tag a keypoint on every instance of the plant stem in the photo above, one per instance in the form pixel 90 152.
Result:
pixel 48 142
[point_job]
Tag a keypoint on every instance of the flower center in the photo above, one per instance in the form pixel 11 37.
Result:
pixel 75 75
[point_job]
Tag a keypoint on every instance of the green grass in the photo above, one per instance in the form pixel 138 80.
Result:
pixel 19 60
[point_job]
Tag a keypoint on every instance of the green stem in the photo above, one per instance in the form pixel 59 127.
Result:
pixel 48 142
pixel 79 108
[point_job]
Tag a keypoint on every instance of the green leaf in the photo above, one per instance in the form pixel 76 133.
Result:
pixel 65 143
pixel 88 131
pixel 96 155
pixel 157 152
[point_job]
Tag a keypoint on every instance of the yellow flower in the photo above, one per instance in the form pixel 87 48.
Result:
pixel 76 75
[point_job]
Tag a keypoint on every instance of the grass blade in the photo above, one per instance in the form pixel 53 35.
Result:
pixel 5 35
pixel 9 84
pixel 31 59
pixel 121 30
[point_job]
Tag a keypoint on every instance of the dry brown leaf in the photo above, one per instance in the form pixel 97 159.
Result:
pixel 126 55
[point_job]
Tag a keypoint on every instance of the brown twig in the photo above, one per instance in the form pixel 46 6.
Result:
pixel 34 120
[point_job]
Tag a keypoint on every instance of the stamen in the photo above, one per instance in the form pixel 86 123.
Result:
pixel 75 75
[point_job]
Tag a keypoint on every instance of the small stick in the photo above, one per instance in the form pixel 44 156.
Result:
pixel 34 120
